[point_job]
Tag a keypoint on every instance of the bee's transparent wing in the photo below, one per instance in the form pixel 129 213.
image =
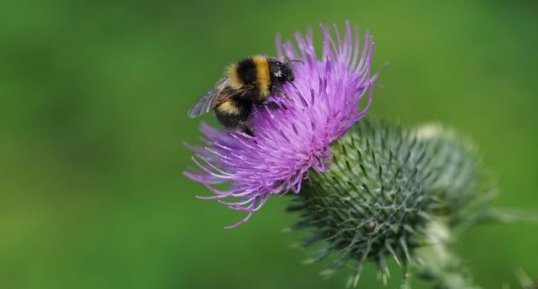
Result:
pixel 208 100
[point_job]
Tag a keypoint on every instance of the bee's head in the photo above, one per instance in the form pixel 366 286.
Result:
pixel 281 72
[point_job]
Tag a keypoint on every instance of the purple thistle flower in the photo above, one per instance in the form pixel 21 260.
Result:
pixel 317 109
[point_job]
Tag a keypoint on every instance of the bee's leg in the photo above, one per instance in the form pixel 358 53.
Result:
pixel 272 105
pixel 246 129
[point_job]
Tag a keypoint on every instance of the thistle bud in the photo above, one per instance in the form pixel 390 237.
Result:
pixel 389 192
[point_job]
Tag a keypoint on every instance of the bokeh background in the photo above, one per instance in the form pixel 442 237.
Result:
pixel 93 116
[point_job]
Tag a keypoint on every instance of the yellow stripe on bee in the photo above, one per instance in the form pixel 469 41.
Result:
pixel 228 107
pixel 262 74
pixel 233 77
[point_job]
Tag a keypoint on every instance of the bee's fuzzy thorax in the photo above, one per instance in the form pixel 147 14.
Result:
pixel 263 77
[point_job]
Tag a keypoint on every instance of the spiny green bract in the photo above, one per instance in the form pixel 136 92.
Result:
pixel 385 185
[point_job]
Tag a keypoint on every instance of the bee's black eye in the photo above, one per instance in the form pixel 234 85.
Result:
pixel 281 72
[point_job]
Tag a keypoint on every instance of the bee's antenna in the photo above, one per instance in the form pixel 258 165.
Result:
pixel 287 60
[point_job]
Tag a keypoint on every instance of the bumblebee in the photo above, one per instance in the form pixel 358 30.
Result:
pixel 245 84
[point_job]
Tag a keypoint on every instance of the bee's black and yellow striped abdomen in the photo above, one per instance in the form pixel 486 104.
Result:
pixel 234 113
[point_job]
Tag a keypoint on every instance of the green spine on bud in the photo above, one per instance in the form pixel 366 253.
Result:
pixel 385 187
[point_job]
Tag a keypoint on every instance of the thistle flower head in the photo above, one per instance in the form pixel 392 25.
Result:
pixel 316 110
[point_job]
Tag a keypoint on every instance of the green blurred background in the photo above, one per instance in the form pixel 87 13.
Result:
pixel 93 116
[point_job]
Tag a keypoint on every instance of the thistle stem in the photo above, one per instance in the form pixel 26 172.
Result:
pixel 437 264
